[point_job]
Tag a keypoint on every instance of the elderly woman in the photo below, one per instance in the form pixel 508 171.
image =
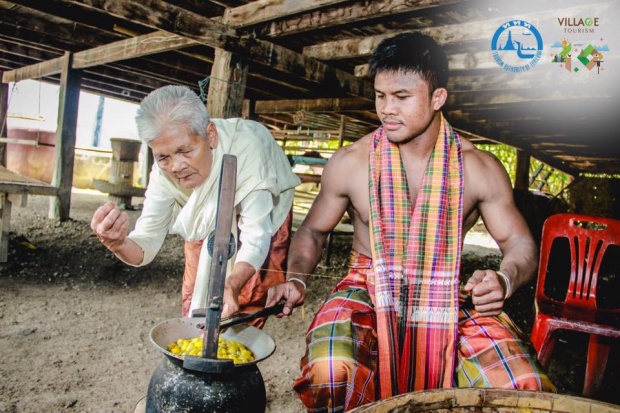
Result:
pixel 182 195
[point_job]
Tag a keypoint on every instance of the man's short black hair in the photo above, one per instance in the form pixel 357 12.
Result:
pixel 412 52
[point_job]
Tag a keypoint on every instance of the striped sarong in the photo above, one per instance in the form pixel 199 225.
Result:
pixel 339 369
pixel 493 352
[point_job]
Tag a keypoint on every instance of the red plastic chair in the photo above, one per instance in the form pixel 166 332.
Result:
pixel 577 288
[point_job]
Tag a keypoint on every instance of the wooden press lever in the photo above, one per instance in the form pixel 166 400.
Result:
pixel 217 273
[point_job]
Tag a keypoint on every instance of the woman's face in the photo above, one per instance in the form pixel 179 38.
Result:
pixel 183 156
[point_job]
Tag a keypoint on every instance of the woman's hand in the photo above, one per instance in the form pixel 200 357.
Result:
pixel 240 275
pixel 231 302
pixel 110 225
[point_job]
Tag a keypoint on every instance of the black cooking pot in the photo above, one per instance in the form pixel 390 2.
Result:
pixel 203 385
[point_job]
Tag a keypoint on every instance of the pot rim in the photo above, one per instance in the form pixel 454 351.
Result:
pixel 187 326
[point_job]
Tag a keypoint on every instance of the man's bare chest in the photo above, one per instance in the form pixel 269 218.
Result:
pixel 359 208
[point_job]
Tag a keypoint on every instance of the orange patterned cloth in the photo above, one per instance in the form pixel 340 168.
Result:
pixel 254 294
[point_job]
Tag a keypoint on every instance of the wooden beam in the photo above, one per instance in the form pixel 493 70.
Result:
pixel 502 135
pixel 447 35
pixel 346 49
pixel 187 67
pixel 166 17
pixel 230 3
pixel 114 76
pixel 134 47
pixel 48 24
pixel 488 79
pixel 571 160
pixel 262 11
pixel 347 14
pixel 171 66
pixel 24 188
pixel 161 15
pixel 174 66
pixel 363 47
pixel 283 59
pixel 314 105
pixel 456 62
pixel 108 83
pixel 477 61
pixel 37 71
pixel 152 43
pixel 202 7
pixel 53 39
pixel 120 77
pixel 65 140
pixel 549 94
pixel 559 112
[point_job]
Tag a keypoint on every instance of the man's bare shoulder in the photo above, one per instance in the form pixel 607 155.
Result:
pixel 346 171
pixel 478 160
pixel 485 175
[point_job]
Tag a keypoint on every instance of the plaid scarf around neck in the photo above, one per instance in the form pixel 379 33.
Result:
pixel 416 258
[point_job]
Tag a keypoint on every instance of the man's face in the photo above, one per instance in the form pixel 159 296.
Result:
pixel 183 156
pixel 404 104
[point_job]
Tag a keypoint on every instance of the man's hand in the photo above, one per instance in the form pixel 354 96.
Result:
pixel 291 291
pixel 487 292
pixel 110 225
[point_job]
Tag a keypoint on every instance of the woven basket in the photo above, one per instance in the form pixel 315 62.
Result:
pixel 486 400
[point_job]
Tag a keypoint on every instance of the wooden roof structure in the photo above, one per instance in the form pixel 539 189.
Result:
pixel 280 61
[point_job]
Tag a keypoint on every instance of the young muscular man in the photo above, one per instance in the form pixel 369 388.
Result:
pixel 413 188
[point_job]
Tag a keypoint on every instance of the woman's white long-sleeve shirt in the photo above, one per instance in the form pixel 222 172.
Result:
pixel 255 226
pixel 263 197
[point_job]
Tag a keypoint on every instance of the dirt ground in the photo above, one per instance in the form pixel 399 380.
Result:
pixel 75 322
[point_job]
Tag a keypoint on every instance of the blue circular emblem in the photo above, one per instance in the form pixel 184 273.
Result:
pixel 517 46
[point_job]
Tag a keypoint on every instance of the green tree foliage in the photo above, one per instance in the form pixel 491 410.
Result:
pixel 542 177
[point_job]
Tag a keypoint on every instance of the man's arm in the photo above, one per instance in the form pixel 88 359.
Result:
pixel 508 228
pixel 307 244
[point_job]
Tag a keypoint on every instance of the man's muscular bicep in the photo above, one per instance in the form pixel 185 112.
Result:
pixel 495 199
pixel 332 201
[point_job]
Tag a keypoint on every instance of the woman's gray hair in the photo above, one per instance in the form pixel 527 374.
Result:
pixel 171 106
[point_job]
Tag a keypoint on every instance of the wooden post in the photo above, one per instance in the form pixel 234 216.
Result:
pixel 5 226
pixel 343 127
pixel 69 98
pixel 147 153
pixel 125 153
pixel 226 85
pixel 247 109
pixel 4 114
pixel 522 172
